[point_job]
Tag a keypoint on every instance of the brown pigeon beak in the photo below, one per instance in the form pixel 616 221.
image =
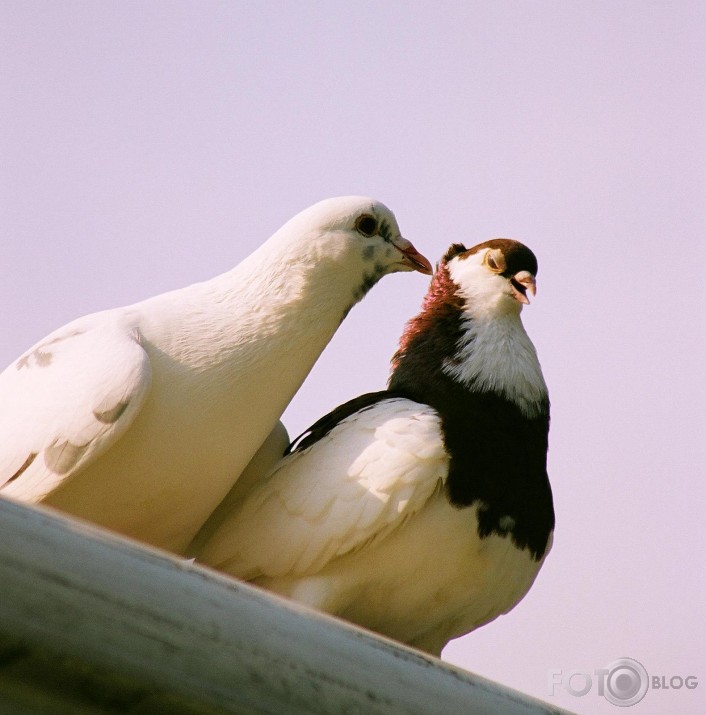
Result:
pixel 411 256
pixel 522 283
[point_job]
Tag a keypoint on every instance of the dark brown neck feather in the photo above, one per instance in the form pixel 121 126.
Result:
pixel 432 334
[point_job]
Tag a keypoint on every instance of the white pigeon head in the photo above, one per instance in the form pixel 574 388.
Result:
pixel 494 277
pixel 354 230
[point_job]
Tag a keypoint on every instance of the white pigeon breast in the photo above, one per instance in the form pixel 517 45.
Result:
pixel 497 355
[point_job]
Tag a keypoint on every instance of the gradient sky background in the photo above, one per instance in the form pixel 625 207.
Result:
pixel 146 146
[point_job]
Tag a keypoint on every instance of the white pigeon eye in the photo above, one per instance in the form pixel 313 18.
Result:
pixel 495 260
pixel 366 225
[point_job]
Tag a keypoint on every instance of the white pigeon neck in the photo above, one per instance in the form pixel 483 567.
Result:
pixel 496 354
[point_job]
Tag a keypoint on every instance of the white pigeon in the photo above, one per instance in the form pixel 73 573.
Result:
pixel 141 418
pixel 423 511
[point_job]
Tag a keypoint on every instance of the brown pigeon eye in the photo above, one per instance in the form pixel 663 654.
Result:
pixel 495 261
pixel 367 225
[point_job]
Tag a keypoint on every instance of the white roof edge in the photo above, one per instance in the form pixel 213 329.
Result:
pixel 88 618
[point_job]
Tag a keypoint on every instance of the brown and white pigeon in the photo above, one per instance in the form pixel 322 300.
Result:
pixel 141 418
pixel 422 511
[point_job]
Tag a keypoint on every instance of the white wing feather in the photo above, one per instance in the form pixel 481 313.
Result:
pixel 66 400
pixel 355 485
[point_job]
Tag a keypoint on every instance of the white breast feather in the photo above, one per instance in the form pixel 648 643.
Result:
pixel 498 355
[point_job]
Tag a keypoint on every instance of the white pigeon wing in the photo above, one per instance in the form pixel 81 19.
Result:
pixel 66 400
pixel 363 479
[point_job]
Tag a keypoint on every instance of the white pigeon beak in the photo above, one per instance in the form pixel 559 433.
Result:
pixel 411 256
pixel 522 283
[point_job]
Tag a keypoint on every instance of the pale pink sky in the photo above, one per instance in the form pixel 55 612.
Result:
pixel 149 145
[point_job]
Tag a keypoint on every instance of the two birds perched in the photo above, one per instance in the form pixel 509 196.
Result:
pixel 141 418
pixel 421 511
